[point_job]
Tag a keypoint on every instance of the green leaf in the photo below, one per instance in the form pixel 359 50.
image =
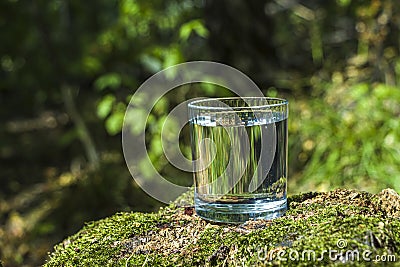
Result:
pixel 151 63
pixel 136 118
pixel 105 106
pixel 114 123
pixel 156 146
pixel 109 80
pixel 359 90
pixel 208 88
pixel 146 168
pixel 172 57
pixel 170 128
pixel 343 3
pixel 138 99
pixel 194 25
pixel 161 106
pixel 272 92
pixel 91 64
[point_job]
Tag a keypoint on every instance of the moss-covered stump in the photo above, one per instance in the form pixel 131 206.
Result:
pixel 342 226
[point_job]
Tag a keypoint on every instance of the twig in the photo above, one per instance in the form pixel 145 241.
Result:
pixel 80 125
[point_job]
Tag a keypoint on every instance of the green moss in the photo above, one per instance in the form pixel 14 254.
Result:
pixel 350 225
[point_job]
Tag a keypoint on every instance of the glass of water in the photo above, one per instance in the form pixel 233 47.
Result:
pixel 239 151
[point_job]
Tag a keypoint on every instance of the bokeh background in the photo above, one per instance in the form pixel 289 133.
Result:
pixel 69 67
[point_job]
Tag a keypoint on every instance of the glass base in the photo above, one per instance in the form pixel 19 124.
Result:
pixel 239 212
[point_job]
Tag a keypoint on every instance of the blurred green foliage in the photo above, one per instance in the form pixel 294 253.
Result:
pixel 68 69
pixel 349 138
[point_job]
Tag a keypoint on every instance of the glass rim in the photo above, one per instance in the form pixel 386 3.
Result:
pixel 193 104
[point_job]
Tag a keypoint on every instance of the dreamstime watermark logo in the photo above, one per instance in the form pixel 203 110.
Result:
pixel 144 100
pixel 342 254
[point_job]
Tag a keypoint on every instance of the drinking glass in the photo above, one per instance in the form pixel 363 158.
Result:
pixel 239 152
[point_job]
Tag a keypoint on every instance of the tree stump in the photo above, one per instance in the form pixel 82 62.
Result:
pixel 319 229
